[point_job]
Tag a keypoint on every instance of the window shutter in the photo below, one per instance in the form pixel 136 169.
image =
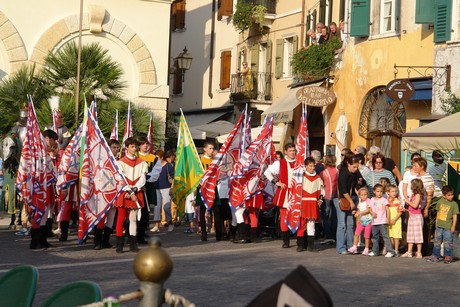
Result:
pixel 225 8
pixel 314 19
pixel 443 20
pixel 279 58
pixel 329 12
pixel 255 58
pixel 295 44
pixel 342 10
pixel 173 16
pixel 268 64
pixel 180 14
pixel 177 86
pixel 360 17
pixel 424 11
pixel 225 64
pixel 322 11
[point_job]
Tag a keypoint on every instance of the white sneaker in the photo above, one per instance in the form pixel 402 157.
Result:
pixel 22 232
pixel 389 255
pixel 57 231
pixel 170 227
pixel 372 254
pixel 155 229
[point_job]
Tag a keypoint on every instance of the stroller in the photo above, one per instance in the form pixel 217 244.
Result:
pixel 269 222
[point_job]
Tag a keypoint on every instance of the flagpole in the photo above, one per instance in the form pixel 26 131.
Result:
pixel 77 94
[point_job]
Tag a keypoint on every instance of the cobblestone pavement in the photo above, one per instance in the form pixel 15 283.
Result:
pixel 227 274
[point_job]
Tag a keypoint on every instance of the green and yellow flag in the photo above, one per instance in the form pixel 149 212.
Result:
pixel 188 170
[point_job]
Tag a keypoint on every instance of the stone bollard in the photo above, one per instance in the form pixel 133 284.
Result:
pixel 152 266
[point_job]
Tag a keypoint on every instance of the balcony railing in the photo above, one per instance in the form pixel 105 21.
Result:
pixel 252 86
pixel 269 4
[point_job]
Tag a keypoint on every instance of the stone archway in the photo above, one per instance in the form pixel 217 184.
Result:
pixel 14 46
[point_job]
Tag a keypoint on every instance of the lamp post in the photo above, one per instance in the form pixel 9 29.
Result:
pixel 184 61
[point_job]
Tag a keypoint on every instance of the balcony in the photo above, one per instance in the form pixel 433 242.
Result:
pixel 252 86
pixel 269 4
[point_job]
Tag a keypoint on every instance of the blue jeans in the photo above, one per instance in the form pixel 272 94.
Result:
pixel 329 218
pixel 443 235
pixel 345 228
pixel 377 231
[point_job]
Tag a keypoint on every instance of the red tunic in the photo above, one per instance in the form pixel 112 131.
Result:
pixel 133 169
pixel 311 192
pixel 281 194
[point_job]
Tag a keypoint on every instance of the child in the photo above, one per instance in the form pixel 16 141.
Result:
pixel 415 221
pixel 395 223
pixel 385 182
pixel 190 212
pixel 380 212
pixel 312 195
pixel 446 221
pixel 363 222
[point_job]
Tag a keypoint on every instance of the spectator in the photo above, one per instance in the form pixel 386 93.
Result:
pixel 437 171
pixel 360 149
pixel 319 166
pixel 324 36
pixel 343 37
pixel 311 35
pixel 319 27
pixel 334 31
pixel 378 160
pixel 330 177
pixel 389 164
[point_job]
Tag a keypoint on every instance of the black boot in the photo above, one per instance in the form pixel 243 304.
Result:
pixel 141 235
pixel 120 244
pixel 49 227
pixel 97 238
pixel 241 227
pixel 300 244
pixel 232 233
pixel 42 238
pixel 132 244
pixel 35 235
pixel 64 230
pixel 106 237
pixel 311 244
pixel 285 235
pixel 253 235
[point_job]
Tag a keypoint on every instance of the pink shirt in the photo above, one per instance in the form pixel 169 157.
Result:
pixel 330 178
pixel 379 206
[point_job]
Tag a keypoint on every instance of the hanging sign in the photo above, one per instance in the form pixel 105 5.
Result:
pixel 316 96
pixel 400 90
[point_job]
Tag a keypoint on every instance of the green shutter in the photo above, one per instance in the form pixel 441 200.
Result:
pixel 295 44
pixel 360 17
pixel 279 58
pixel 255 58
pixel 322 11
pixel 443 20
pixel 268 65
pixel 424 11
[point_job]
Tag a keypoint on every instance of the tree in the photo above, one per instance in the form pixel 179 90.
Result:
pixel 451 104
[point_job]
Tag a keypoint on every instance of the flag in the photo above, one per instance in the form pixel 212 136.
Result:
pixel 247 172
pixel 93 108
pixel 69 167
pixel 114 133
pixel 128 132
pixel 188 169
pixel 150 134
pixel 36 172
pixel 295 186
pixel 101 180
pixel 228 155
pixel 54 105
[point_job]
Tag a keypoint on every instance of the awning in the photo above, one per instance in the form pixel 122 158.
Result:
pixel 276 136
pixel 195 120
pixel 443 135
pixel 423 90
pixel 216 128
pixel 283 108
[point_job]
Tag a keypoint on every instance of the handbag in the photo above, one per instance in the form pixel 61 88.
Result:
pixel 344 204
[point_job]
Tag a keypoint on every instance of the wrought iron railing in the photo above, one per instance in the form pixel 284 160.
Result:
pixel 254 85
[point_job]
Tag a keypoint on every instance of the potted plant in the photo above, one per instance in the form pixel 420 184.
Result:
pixel 246 13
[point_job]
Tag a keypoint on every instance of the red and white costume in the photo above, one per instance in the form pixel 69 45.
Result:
pixel 312 189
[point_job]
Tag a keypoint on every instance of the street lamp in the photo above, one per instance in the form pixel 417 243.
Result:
pixel 184 61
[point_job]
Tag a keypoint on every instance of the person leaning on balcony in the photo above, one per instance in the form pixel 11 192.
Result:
pixel 246 77
pixel 334 31
pixel 343 36
pixel 319 27
pixel 313 38
pixel 324 35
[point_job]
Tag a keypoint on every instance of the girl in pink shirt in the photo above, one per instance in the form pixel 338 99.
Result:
pixel 415 222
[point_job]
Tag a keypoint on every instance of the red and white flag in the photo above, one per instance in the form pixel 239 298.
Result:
pixel 36 171
pixel 295 188
pixel 226 158
pixel 150 134
pixel 114 133
pixel 246 179
pixel 69 167
pixel 101 180
pixel 128 132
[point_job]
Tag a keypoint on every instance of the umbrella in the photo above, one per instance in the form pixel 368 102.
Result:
pixel 341 135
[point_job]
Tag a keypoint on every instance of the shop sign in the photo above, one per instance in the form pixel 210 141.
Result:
pixel 400 90
pixel 316 96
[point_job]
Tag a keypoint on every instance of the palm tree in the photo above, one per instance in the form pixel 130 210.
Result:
pixel 14 91
pixel 99 73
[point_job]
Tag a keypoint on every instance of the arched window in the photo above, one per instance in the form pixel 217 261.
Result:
pixel 382 123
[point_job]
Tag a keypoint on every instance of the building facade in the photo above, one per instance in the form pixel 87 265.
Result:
pixel 135 35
